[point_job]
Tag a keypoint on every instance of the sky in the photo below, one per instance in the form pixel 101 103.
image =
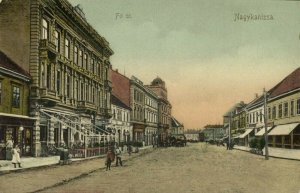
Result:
pixel 211 54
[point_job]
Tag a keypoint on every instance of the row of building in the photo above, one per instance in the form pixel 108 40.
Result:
pixel 282 106
pixel 58 87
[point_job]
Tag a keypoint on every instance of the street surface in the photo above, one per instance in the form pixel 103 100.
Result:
pixel 197 168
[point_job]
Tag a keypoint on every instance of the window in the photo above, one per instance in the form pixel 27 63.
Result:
pixel 80 58
pixel 56 40
pixel 44 29
pixel 67 48
pixel 16 97
pixel 269 113
pixel 76 55
pixel 261 116
pixel 292 108
pixel 49 76
pixel 286 109
pixel 68 86
pixel 58 81
pixel 274 112
pixel 0 93
pixel 85 64
pixel 92 66
pixel 280 111
pixel 298 106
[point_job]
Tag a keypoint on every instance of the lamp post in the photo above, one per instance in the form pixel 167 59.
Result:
pixel 266 124
pixel 85 141
pixel 21 137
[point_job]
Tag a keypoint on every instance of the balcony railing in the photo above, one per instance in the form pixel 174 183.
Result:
pixel 47 94
pixel 85 105
pixel 47 45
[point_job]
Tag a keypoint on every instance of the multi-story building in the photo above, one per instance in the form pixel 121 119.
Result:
pixel 120 120
pixel 121 106
pixel 283 112
pixel 137 104
pixel 235 120
pixel 164 109
pixel 15 124
pixel 68 62
pixel 151 116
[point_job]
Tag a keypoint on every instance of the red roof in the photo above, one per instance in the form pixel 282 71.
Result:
pixel 289 83
pixel 7 63
pixel 120 86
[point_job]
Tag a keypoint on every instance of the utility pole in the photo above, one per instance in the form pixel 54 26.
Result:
pixel 229 130
pixel 266 125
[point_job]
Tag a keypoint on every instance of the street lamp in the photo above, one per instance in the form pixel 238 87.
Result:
pixel 85 141
pixel 21 128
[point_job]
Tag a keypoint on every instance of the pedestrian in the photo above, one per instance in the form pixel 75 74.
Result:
pixel 227 144
pixel 118 156
pixel 9 148
pixel 16 156
pixel 109 158
pixel 129 148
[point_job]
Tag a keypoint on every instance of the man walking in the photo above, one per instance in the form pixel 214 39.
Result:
pixel 118 157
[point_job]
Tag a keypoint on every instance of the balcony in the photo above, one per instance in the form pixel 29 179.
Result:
pixel 46 45
pixel 49 97
pixel 86 106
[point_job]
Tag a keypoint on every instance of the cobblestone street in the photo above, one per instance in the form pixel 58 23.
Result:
pixel 195 168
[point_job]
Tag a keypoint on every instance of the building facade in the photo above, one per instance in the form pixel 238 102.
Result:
pixel 121 109
pixel 283 109
pixel 15 124
pixel 164 109
pixel 177 127
pixel 120 121
pixel 151 117
pixel 68 62
pixel 137 104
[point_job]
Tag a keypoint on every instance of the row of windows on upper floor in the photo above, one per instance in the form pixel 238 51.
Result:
pixel 121 115
pixel 139 96
pixel 81 55
pixel 284 110
pixel 16 94
pixel 68 85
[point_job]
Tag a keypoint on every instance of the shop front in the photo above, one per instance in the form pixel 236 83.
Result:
pixel 285 136
pixel 15 130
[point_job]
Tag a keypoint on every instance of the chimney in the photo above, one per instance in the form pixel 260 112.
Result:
pixel 256 95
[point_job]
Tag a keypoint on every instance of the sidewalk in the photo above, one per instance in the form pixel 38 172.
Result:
pixel 293 154
pixel 50 176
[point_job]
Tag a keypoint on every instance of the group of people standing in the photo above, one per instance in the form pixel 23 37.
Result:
pixel 115 154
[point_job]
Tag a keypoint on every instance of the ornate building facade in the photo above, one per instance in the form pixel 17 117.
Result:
pixel 68 62
pixel 164 109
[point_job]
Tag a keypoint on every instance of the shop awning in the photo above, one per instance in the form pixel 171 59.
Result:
pixel 283 129
pixel 262 131
pixel 246 133
pixel 17 116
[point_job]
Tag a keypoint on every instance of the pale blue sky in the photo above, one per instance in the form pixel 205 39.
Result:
pixel 208 60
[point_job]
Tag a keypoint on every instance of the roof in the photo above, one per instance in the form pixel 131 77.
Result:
pixel 289 83
pixel 257 101
pixel 9 64
pixel 237 106
pixel 176 123
pixel 118 102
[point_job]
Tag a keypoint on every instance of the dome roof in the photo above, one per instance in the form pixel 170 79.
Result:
pixel 158 81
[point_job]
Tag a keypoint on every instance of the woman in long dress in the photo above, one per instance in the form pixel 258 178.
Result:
pixel 16 156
